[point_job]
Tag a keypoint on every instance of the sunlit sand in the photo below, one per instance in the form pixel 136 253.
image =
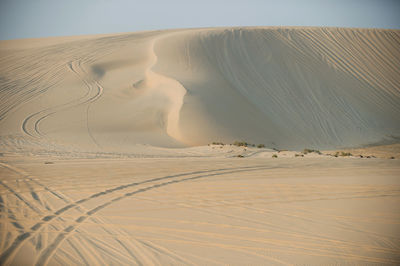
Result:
pixel 106 153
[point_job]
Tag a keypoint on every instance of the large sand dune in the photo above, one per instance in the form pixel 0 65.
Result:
pixel 284 87
pixel 103 158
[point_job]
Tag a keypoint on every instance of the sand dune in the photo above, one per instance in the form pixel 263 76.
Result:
pixel 288 87
pixel 284 87
pixel 104 157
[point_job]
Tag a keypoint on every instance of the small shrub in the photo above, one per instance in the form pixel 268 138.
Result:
pixel 217 143
pixel 240 144
pixel 260 146
pixel 274 156
pixel 345 154
pixel 392 157
pixel 306 151
pixel 299 155
pixel 361 156
pixel 240 156
pixel 48 162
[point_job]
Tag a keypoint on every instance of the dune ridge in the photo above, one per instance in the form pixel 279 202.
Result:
pixel 171 88
pixel 285 87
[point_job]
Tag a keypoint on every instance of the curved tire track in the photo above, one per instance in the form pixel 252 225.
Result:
pixel 87 98
pixel 5 256
pixel 51 249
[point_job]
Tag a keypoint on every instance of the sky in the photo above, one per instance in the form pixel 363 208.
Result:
pixel 45 18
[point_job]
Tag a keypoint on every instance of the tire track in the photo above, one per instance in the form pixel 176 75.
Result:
pixel 90 84
pixel 5 256
pixel 20 197
pixel 27 73
pixel 49 111
pixel 11 216
pixel 12 219
pixel 23 231
pixel 50 250
pixel 14 222
pixel 16 94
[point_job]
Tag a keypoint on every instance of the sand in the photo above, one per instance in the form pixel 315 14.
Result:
pixel 288 88
pixel 105 154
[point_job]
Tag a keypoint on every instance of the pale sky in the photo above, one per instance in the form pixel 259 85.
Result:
pixel 43 18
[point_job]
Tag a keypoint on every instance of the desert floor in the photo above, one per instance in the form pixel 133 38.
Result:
pixel 207 210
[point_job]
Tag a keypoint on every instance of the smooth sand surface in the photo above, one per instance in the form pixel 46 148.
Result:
pixel 104 157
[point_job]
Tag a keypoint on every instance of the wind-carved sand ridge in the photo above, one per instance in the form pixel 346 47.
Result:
pixel 104 156
pixel 171 88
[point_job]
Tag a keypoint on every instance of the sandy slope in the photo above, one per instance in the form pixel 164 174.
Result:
pixel 100 160
pixel 284 87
